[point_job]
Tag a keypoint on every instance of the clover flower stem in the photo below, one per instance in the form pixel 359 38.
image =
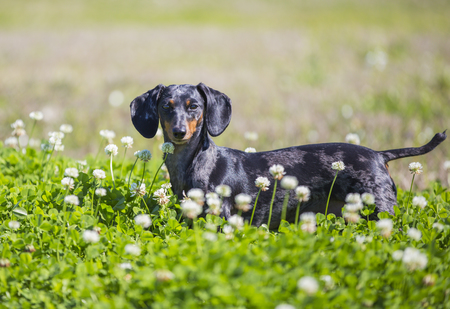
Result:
pixel 254 207
pixel 297 213
pixel 271 202
pixel 112 172
pixel 156 174
pixel 143 174
pixel 145 203
pixel 46 163
pixel 285 202
pixel 93 196
pixel 410 193
pixel 131 172
pixel 31 133
pixel 123 160
pixel 240 212
pixel 329 194
pixel 63 229
pixel 196 229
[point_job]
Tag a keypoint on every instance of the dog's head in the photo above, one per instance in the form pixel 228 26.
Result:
pixel 182 110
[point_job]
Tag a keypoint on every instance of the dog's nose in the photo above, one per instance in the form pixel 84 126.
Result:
pixel 179 133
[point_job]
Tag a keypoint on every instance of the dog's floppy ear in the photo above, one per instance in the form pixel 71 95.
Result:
pixel 218 109
pixel 144 112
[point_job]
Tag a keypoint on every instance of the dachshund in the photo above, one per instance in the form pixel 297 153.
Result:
pixel 190 115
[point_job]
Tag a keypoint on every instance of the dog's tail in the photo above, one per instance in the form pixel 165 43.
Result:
pixel 394 154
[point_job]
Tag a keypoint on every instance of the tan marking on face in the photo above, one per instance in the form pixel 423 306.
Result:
pixel 171 102
pixel 192 127
pixel 188 102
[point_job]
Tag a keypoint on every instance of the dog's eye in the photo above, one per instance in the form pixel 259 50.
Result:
pixel 166 106
pixel 193 106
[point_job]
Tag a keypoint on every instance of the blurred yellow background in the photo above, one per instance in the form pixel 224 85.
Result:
pixel 297 72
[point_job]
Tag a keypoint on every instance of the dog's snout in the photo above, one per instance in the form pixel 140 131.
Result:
pixel 179 133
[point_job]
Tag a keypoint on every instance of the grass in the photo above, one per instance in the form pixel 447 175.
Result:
pixel 46 262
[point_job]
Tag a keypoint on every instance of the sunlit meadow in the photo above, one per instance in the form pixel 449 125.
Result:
pixel 88 218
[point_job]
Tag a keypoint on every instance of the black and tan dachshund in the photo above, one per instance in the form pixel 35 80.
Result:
pixel 190 114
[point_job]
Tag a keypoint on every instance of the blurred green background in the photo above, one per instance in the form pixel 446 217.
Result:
pixel 297 72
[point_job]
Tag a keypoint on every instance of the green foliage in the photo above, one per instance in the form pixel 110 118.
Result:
pixel 56 266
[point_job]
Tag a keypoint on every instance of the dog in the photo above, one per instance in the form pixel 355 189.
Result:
pixel 190 115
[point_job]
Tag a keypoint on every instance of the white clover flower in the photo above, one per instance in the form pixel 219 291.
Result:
pixel 263 183
pixel 127 141
pixel 109 135
pixel 211 195
pixel 11 142
pixel 68 182
pixel 415 168
pixel 397 255
pixel 352 138
pixel 289 182
pixel 419 201
pixel 100 192
pixel 145 155
pixel 168 147
pixel 385 226
pixel 338 166
pixel 53 140
pixel 4 263
pixel 132 249
pixel 125 266
pixel 308 284
pixel 329 283
pixel 111 150
pixel 227 229
pixel 360 239
pixel 413 259
pixel 368 198
pixel 351 217
pixel 447 166
pixel 166 186
pixel 309 227
pixel 191 209
pixel 137 189
pixel 210 236
pixel 236 221
pixel 71 172
pixel 56 135
pixel 284 306
pixel 99 174
pixel 277 171
pixel 36 116
pixel 223 190
pixel 164 275
pixel 429 280
pixel 250 150
pixel 302 193
pixel 143 220
pixel 161 197
pixel 211 227
pixel 72 199
pixel 59 147
pixel 196 195
pixel 251 136
pixel 34 142
pixel 308 217
pixel 243 201
pixel 19 132
pixel 91 236
pixel 215 206
pixel 14 225
pixel 353 198
pixel 353 207
pixel 438 226
pixel 18 124
pixel 414 234
pixel 66 128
